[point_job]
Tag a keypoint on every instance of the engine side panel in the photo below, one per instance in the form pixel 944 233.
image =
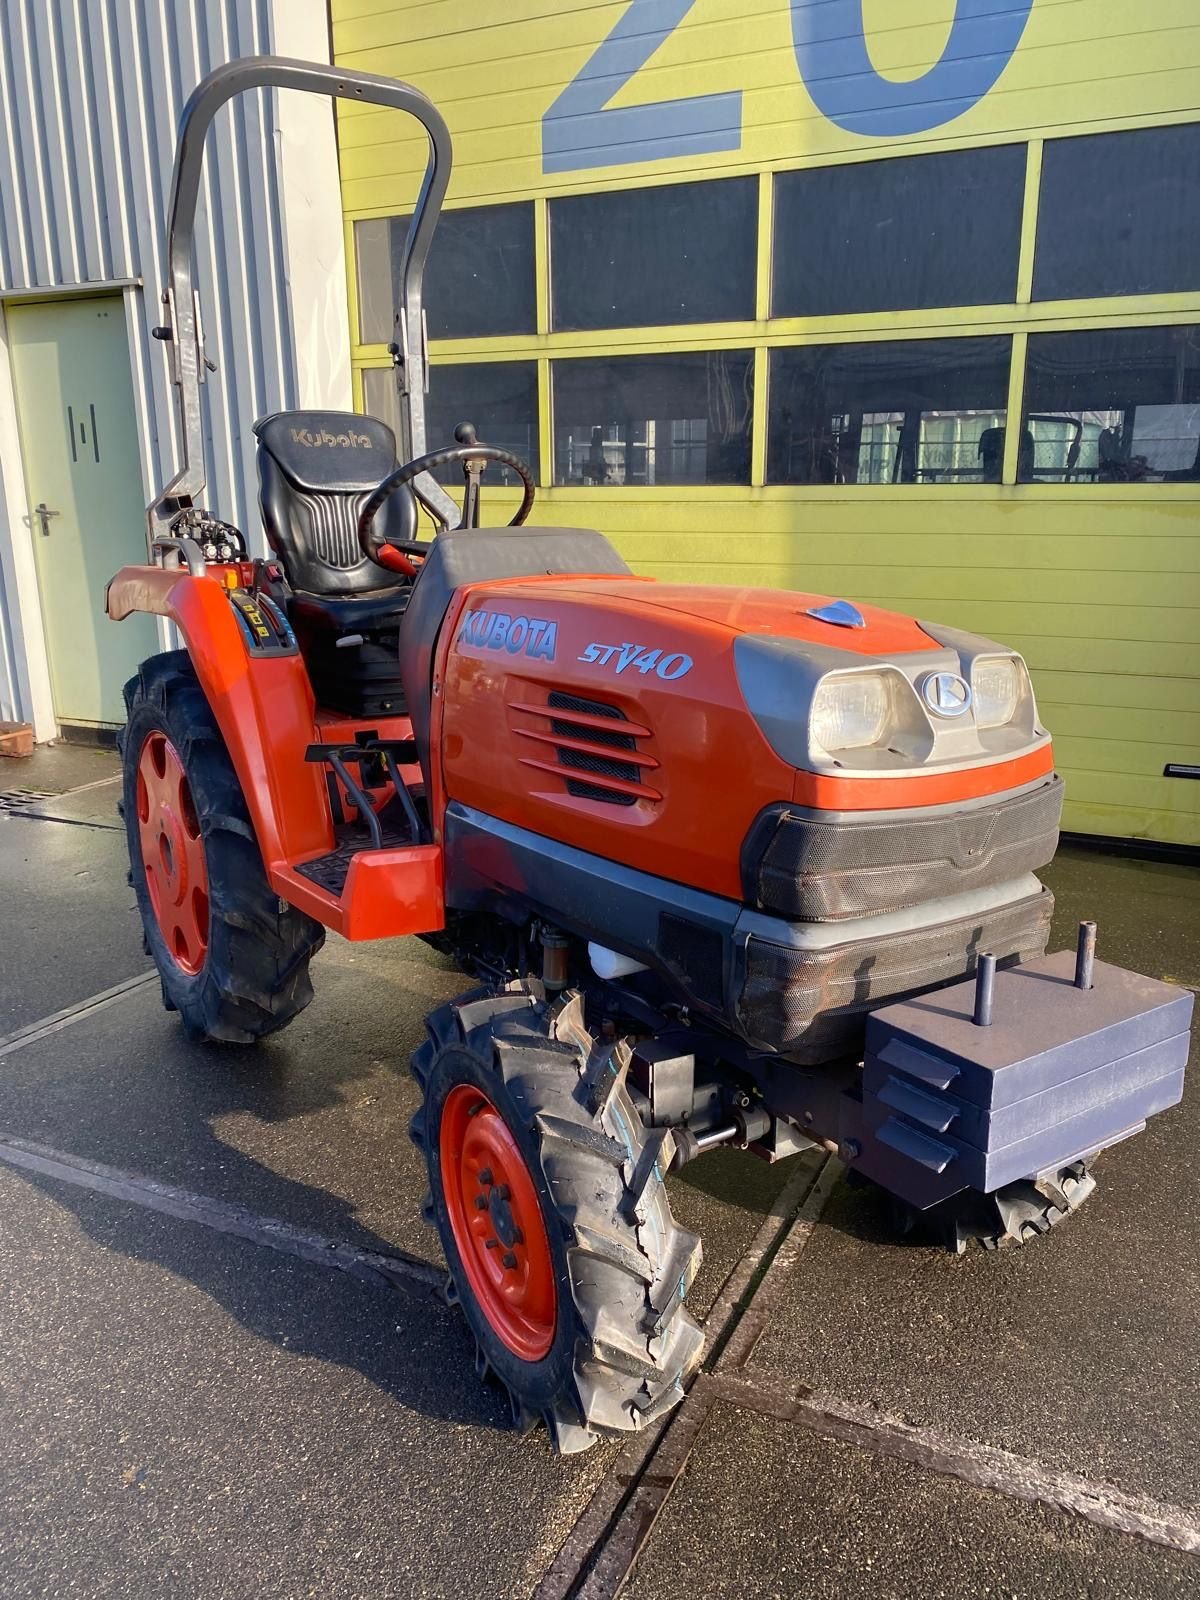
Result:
pixel 607 713
pixel 647 755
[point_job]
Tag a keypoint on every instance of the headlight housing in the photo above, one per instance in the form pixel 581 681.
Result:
pixel 998 685
pixel 852 710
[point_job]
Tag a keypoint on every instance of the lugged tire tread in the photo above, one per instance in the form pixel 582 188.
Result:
pixel 636 1343
pixel 256 979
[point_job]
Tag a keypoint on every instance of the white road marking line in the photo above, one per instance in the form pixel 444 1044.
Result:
pixel 399 1270
pixel 96 783
pixel 69 1015
pixel 982 1465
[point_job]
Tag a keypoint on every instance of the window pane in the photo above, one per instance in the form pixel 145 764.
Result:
pixel 919 411
pixel 654 419
pixel 1117 406
pixel 1118 215
pixel 499 397
pixel 478 279
pixel 901 235
pixel 641 257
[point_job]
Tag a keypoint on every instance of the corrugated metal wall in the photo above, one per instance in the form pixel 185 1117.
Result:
pixel 90 96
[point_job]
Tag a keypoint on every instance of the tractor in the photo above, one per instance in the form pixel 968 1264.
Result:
pixel 726 866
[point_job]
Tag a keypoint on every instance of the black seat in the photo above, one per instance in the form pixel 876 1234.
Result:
pixel 315 470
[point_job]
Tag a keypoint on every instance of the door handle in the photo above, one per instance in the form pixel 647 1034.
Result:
pixel 41 515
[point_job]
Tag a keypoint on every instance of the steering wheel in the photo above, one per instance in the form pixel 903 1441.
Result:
pixel 395 557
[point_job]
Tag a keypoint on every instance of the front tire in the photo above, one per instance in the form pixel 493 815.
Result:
pixel 533 1143
pixel 232 957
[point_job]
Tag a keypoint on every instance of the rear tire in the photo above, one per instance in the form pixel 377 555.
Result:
pixel 239 970
pixel 618 1344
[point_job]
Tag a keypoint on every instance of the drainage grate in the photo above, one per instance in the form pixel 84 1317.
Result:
pixel 18 799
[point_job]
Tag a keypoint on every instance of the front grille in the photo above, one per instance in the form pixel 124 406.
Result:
pixel 582 743
pixel 811 1005
pixel 813 869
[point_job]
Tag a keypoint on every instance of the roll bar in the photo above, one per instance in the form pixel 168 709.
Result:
pixel 183 327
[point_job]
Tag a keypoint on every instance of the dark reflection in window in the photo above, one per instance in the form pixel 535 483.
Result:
pixel 499 397
pixel 1118 214
pixel 654 419
pixel 479 278
pixel 899 235
pixel 643 257
pixel 1113 406
pixel 914 411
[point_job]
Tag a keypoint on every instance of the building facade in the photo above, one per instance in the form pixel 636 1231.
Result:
pixel 90 97
pixel 895 301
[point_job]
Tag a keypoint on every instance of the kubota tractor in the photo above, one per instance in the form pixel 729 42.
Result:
pixel 728 865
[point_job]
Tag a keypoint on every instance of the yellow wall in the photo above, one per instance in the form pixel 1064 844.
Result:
pixel 1098 585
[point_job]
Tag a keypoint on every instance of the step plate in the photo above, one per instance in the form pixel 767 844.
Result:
pixel 330 872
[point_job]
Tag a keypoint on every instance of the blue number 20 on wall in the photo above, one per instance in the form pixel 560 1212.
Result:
pixel 831 52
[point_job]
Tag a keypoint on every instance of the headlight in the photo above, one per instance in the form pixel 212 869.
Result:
pixel 851 711
pixel 997 685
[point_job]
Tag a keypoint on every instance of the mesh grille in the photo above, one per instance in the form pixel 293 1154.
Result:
pixel 593 791
pixel 584 761
pixel 811 1004
pixel 819 871
pixel 695 956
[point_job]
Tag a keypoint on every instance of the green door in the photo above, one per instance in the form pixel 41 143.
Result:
pixel 86 516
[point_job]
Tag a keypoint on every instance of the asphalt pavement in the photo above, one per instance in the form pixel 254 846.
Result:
pixel 226 1369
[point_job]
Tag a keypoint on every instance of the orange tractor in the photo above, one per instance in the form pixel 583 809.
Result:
pixel 729 866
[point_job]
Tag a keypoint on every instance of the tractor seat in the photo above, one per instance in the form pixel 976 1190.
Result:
pixel 315 470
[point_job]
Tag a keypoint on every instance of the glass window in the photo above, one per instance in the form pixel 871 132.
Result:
pixel 479 279
pixel 642 257
pixel 654 419
pixel 901 235
pixel 1118 214
pixel 1112 406
pixel 917 411
pixel 499 397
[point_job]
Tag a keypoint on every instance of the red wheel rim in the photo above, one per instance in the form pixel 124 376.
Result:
pixel 172 852
pixel 497 1223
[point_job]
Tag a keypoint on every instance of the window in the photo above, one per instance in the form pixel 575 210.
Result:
pixel 901 235
pixel 499 397
pixel 1112 406
pixel 641 257
pixel 654 419
pixel 479 278
pixel 919 411
pixel 1118 215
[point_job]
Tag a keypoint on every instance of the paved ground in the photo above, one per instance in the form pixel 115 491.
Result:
pixel 194 1401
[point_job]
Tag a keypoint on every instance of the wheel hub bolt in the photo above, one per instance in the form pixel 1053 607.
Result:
pixel 509 1259
pixel 503 1192
pixel 485 1175
pixel 481 1202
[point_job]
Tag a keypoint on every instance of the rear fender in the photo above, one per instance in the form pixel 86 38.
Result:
pixel 264 706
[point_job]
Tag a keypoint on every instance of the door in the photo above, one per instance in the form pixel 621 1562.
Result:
pixel 83 479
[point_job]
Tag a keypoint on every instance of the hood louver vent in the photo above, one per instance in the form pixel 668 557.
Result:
pixel 597 748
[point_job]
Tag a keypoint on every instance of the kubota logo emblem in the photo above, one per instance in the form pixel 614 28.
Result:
pixel 520 636
pixel 344 441
pixel 946 694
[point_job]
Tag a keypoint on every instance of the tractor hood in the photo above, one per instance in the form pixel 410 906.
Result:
pixel 834 686
pixel 810 618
